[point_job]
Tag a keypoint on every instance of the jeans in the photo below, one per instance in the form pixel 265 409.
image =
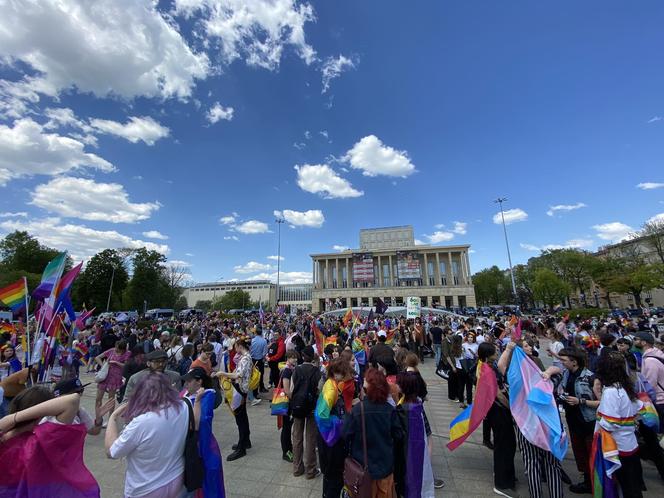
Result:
pixel 438 351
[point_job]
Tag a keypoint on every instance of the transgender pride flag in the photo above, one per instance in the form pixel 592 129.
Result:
pixel 533 405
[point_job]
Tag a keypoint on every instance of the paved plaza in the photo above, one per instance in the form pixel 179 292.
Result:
pixel 262 473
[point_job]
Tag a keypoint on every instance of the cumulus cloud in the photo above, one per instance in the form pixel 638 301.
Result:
pixel 374 158
pixel 228 219
pixel 137 128
pixel 570 244
pixel 650 185
pixel 231 237
pixel 285 277
pixel 419 242
pixel 340 248
pixel 333 67
pixel 256 31
pixel 82 242
pixel 89 200
pixel 154 234
pixel 218 112
pixel 27 149
pixel 276 258
pixel 252 227
pixel 321 179
pixel 313 218
pixel 614 231
pixel 460 228
pixel 252 267
pixel 511 216
pixel 19 214
pixel 439 236
pixel 564 207
pixel 658 218
pixel 178 263
pixel 107 47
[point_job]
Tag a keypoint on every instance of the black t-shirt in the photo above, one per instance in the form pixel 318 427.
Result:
pixel 287 373
pixel 573 413
pixel 436 334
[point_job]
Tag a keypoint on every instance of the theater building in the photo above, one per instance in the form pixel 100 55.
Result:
pixel 388 265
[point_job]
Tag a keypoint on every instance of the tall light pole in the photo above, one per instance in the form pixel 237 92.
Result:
pixel 279 221
pixel 110 290
pixel 500 201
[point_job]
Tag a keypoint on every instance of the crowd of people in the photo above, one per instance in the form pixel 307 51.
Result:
pixel 350 399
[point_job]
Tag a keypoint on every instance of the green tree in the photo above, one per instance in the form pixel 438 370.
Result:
pixel 549 287
pixel 148 283
pixel 653 234
pixel 92 285
pixel 232 300
pixel 204 305
pixel 524 277
pixel 492 286
pixel 174 277
pixel 180 304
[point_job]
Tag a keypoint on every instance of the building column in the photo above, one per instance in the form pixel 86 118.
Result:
pixel 470 278
pixel 313 275
pixel 393 282
pixel 338 267
pixel 450 273
pixel 438 277
pixel 455 300
pixel 462 260
pixel 380 272
pixel 349 280
pixel 426 271
pixel 328 284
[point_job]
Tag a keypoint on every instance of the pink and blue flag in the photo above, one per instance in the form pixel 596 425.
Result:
pixel 533 405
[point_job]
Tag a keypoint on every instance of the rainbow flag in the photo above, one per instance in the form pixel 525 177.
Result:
pixel 604 462
pixel 359 350
pixel 533 405
pixel 648 413
pixel 14 295
pixel 348 317
pixel 319 338
pixel 470 419
pixel 7 327
pixel 330 425
pixel 50 277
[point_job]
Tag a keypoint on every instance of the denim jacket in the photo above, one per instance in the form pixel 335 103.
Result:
pixel 583 386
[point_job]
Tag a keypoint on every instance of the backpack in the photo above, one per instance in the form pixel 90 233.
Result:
pixel 194 469
pixel 172 360
pixel 305 390
pixel 255 378
pixel 148 346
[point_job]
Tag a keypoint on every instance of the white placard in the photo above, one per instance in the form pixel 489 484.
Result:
pixel 413 307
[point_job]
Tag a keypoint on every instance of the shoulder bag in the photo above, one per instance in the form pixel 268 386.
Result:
pixel 357 481
pixel 194 469
pixel 279 399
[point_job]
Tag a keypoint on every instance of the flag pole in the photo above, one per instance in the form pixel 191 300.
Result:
pixel 27 325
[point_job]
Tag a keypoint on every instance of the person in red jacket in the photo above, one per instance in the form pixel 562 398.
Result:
pixel 276 352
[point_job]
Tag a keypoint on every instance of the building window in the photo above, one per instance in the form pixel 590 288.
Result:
pixel 432 276
pixel 386 275
pixel 443 273
pixel 344 276
pixel 455 272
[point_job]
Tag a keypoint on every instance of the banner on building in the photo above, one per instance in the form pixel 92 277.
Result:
pixel 413 307
pixel 408 265
pixel 363 268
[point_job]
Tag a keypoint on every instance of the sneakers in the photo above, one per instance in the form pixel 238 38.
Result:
pixel 438 483
pixel 298 473
pixel 501 492
pixel 255 402
pixel 314 475
pixel 288 456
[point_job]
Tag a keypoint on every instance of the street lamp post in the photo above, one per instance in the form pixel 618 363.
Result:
pixel 500 201
pixel 279 222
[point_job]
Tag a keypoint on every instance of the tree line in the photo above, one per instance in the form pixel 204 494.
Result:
pixel 557 275
pixel 140 277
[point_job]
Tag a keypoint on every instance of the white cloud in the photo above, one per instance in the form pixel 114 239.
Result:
pixel 285 277
pixel 20 214
pixel 333 67
pixel 252 227
pixel 228 219
pixel 155 234
pixel 82 242
pixel 654 119
pixel 26 149
pixel 340 248
pixel 257 31
pixel 178 262
pixel 137 128
pixel 570 244
pixel 252 267
pixel 64 117
pixel 564 207
pixel 511 216
pixel 313 218
pixel 324 134
pixel 614 231
pixel 374 158
pixel 188 254
pixel 107 47
pixel 650 185
pixel 419 242
pixel 299 145
pixel 88 200
pixel 231 237
pixel 657 218
pixel 307 134
pixel 321 179
pixel 276 258
pixel 218 112
pixel 460 228
pixel 440 236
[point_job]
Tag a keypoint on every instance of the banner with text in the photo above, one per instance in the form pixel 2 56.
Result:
pixel 363 268
pixel 413 307
pixel 408 265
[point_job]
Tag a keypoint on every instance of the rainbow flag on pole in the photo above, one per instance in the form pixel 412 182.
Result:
pixel 470 419
pixel 14 295
pixel 50 277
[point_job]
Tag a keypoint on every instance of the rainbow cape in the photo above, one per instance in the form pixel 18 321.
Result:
pixel 14 295
pixel 468 420
pixel 604 461
pixel 330 425
pixel 533 405
pixel 47 462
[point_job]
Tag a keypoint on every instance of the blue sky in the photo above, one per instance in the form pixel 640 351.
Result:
pixel 186 125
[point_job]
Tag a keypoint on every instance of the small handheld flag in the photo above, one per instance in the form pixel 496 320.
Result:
pixel 14 295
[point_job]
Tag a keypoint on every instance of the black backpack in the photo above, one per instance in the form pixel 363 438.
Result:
pixel 194 469
pixel 305 390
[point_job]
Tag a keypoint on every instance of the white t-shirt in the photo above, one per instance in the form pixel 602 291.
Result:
pixel 82 417
pixel 469 350
pixel 556 347
pixel 154 447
